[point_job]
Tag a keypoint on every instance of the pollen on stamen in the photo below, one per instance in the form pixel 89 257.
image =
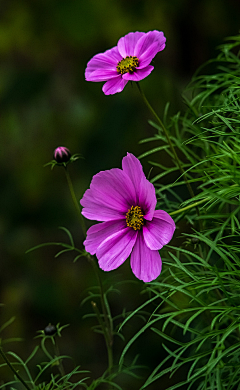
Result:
pixel 127 64
pixel 134 218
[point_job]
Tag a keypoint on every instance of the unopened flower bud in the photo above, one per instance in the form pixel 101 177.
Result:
pixel 61 155
pixel 50 330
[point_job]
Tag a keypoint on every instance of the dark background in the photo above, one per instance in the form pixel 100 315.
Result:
pixel 45 102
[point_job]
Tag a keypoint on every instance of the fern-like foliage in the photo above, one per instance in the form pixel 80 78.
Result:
pixel 197 296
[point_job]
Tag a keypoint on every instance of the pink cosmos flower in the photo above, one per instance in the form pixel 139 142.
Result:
pixel 124 200
pixel 129 60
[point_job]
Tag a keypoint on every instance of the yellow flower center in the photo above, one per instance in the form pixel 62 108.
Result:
pixel 127 64
pixel 134 218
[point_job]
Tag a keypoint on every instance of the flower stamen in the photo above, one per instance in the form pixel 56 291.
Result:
pixel 134 218
pixel 127 64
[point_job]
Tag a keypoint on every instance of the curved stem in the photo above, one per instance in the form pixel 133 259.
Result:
pixel 13 369
pixel 106 336
pixel 76 203
pixel 168 140
pixel 106 328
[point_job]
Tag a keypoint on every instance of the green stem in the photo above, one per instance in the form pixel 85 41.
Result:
pixel 13 369
pixel 107 329
pixel 168 140
pixel 106 336
pixel 76 203
pixel 189 207
pixel 57 354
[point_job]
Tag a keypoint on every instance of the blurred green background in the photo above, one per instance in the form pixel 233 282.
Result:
pixel 45 102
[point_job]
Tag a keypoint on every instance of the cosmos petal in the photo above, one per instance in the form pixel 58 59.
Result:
pixel 146 264
pixel 100 232
pixel 138 74
pixel 102 75
pixel 116 249
pixel 106 61
pixel 114 85
pixel 159 231
pixel 149 45
pixel 133 168
pixel 145 191
pixel 147 199
pixel 148 55
pixel 126 45
pixel 110 195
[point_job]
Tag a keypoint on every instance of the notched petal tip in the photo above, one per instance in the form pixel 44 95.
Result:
pixel 146 264
pixel 159 231
pixel 114 85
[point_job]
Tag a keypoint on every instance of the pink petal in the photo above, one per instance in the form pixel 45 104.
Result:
pixel 145 263
pixel 115 85
pixel 146 47
pixel 100 232
pixel 102 75
pixel 110 195
pixel 159 231
pixel 116 249
pixel 126 45
pixel 147 199
pixel 138 74
pixel 99 212
pixel 145 191
pixel 133 168
pixel 148 55
pixel 106 61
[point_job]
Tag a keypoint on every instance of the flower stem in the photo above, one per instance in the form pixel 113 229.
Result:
pixel 168 140
pixel 106 336
pixel 13 369
pixel 106 325
pixel 57 354
pixel 106 328
pixel 76 203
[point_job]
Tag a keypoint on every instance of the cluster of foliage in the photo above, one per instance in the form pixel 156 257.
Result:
pixel 197 314
pixel 196 298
